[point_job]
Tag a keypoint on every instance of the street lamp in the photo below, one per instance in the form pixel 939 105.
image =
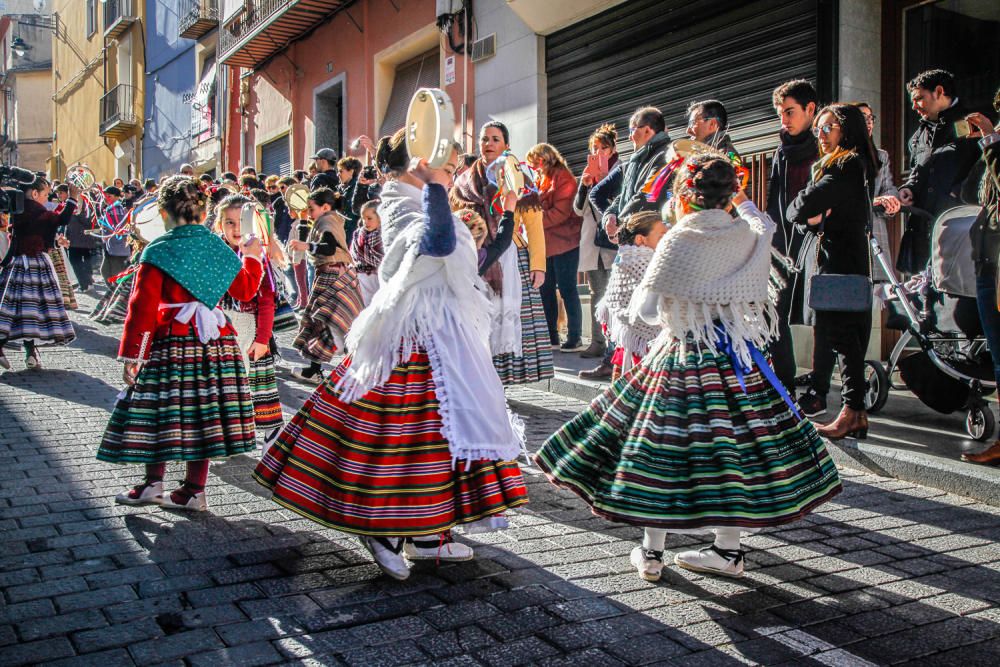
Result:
pixel 19 47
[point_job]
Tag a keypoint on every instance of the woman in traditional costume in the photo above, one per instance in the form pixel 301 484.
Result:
pixel 411 435
pixel 188 398
pixel 699 436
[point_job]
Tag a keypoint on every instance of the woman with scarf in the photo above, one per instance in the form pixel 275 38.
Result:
pixel 187 396
pixel 411 435
pixel 519 339
pixel 836 205
pixel 699 436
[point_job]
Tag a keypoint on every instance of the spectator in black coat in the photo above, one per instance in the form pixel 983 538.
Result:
pixel 648 132
pixel 326 176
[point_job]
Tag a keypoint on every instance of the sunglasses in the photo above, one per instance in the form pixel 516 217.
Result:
pixel 826 129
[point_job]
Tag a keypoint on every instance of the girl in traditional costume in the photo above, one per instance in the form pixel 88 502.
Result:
pixel 31 305
pixel 367 250
pixel 522 351
pixel 188 398
pixel 699 436
pixel 411 434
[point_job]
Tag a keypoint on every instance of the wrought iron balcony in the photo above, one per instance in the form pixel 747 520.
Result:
pixel 118 117
pixel 119 15
pixel 263 28
pixel 198 17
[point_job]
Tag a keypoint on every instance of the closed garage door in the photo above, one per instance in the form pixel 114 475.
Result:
pixel 275 157
pixel 668 53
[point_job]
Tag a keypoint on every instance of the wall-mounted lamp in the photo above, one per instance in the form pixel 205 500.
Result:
pixel 19 46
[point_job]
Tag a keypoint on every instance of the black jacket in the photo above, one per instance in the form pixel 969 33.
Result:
pixel 985 232
pixel 364 194
pixel 325 179
pixel 282 218
pixel 842 189
pixel 939 162
pixel 604 193
pixel 641 165
pixel 790 173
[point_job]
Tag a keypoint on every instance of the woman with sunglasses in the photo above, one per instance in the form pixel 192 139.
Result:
pixel 836 207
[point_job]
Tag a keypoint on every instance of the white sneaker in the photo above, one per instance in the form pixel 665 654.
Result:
pixel 33 360
pixel 712 560
pixel 315 378
pixel 434 547
pixel 386 555
pixel 144 494
pixel 195 502
pixel 649 563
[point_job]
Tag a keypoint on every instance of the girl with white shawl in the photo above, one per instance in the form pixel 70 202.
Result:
pixel 411 435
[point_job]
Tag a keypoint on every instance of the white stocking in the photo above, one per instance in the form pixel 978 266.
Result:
pixel 654 538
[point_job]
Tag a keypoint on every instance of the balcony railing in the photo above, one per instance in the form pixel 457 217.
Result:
pixel 118 15
pixel 263 28
pixel 198 17
pixel 118 117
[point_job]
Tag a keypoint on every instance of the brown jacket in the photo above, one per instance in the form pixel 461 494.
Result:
pixel 562 224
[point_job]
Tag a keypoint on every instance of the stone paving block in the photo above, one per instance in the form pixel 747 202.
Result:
pixel 392 655
pixel 144 608
pixel 118 635
pixel 299 606
pixel 174 647
pixel 519 652
pixel 246 655
pixel 586 609
pixel 459 614
pixel 46 589
pixel 114 658
pixel 49 626
pixel 128 575
pixel 32 653
pixel 207 597
pixel 646 649
pixel 236 575
pixel 298 583
pixel 102 597
pixel 592 657
pixel 466 640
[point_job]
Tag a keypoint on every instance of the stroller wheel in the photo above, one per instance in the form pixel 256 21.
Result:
pixel 979 423
pixel 878 386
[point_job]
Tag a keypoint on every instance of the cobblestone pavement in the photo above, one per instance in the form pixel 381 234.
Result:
pixel 888 573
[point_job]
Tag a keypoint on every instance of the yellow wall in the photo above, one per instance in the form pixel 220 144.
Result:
pixel 79 66
pixel 32 92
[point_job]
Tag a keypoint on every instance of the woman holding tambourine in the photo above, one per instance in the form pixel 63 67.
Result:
pixel 522 351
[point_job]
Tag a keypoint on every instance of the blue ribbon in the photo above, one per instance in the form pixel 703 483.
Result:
pixel 758 359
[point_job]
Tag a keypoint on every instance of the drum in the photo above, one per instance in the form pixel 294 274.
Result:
pixel 430 126
pixel 146 219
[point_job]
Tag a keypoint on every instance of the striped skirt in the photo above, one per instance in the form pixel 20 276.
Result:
pixel 31 306
pixel 380 466
pixel 191 401
pixel 62 275
pixel 113 306
pixel 264 387
pixel 536 364
pixel 675 443
pixel 333 304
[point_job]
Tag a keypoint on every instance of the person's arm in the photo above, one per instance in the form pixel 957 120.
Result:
pixel 143 315
pixel 886 187
pixel 604 192
pixel 580 201
pixel 504 236
pixel 818 197
pixel 265 312
pixel 246 283
pixel 326 246
pixel 439 238
pixel 534 230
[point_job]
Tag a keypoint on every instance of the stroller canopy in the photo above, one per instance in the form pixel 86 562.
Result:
pixel 952 269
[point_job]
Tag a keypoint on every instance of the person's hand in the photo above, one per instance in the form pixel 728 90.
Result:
pixel 537 278
pixel 299 246
pixel 74 192
pixel 258 351
pixel 510 201
pixel 888 202
pixel 252 247
pixel 587 178
pixel 611 225
pixel 366 181
pixel 420 169
pixel 981 125
pixel 130 371
pixel 366 143
pixel 740 197
pixel 905 196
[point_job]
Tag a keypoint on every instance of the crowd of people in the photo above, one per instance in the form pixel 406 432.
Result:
pixel 419 292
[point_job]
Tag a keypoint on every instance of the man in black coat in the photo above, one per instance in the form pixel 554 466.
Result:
pixel 326 163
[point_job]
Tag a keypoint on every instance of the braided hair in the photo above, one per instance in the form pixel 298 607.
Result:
pixel 707 180
pixel 182 200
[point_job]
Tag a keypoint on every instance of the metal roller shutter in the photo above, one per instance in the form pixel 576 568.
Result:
pixel 668 53
pixel 275 158
pixel 422 72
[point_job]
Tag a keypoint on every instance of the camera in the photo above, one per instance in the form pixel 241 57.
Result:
pixel 11 197
pixel 369 173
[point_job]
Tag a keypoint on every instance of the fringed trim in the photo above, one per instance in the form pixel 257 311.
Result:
pixel 745 324
pixel 632 338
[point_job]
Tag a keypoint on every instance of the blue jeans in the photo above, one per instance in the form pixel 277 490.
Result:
pixel 560 273
pixel 986 301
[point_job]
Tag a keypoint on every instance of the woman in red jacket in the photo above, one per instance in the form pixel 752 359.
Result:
pixel 557 189
pixel 188 398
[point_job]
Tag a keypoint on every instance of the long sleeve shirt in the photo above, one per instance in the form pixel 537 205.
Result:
pixel 34 229
pixel 491 250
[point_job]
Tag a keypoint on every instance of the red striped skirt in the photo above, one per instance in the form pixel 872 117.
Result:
pixel 380 465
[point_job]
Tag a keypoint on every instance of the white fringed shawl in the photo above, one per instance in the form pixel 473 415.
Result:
pixel 612 311
pixel 709 269
pixel 435 303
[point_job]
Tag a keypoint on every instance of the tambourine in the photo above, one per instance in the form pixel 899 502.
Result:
pixel 685 148
pixel 254 221
pixel 146 219
pixel 297 197
pixel 81 176
pixel 430 126
pixel 511 175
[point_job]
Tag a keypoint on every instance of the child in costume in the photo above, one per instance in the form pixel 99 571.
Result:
pixel 699 436
pixel 31 304
pixel 113 306
pixel 253 320
pixel 366 250
pixel 638 236
pixel 335 299
pixel 411 434
pixel 188 398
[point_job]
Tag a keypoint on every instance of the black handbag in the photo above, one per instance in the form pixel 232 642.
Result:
pixel 836 292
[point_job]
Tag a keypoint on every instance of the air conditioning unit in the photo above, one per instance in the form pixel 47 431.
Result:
pixel 484 48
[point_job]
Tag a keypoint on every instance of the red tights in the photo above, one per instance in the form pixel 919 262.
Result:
pixel 197 472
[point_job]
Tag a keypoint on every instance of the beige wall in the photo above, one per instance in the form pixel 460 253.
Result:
pixel 33 123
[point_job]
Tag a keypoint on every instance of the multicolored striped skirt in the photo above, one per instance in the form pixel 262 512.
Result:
pixel 31 306
pixel 334 302
pixel 62 275
pixel 536 364
pixel 675 443
pixel 380 465
pixel 190 401
pixel 113 306
pixel 264 387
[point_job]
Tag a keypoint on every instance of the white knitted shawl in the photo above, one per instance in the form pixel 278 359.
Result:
pixel 712 269
pixel 612 311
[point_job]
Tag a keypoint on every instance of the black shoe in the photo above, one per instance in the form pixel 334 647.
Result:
pixel 602 372
pixel 571 346
pixel 594 351
pixel 812 404
pixel 804 380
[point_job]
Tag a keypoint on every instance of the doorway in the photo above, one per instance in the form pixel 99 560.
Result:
pixel 328 115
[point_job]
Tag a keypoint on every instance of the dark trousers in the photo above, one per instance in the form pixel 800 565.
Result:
pixel 598 281
pixel 82 261
pixel 986 300
pixel 560 273
pixel 781 348
pixel 847 335
pixel 112 266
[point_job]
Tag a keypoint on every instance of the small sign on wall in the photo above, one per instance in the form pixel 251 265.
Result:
pixel 449 70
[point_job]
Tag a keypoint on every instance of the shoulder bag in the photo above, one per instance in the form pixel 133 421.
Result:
pixel 836 292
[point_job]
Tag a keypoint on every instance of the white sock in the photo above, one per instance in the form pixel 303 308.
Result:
pixel 727 539
pixel 654 538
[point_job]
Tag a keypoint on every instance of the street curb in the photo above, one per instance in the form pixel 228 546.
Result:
pixel 980 483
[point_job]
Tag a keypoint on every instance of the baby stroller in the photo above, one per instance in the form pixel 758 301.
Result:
pixel 950 367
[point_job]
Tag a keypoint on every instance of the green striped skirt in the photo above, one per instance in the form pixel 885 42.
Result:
pixel 676 443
